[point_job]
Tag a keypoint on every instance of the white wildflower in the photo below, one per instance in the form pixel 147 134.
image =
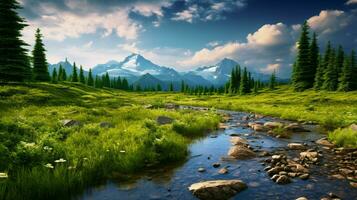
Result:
pixel 61 160
pixel 3 175
pixel 49 165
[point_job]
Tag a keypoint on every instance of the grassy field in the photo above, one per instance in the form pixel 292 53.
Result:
pixel 44 159
pixel 331 110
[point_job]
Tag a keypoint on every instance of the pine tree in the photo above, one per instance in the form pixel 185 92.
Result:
pixel 90 81
pixel 119 83
pixel 302 72
pixel 272 82
pixel 54 76
pixel 244 84
pixel 74 73
pixel 319 76
pixel 183 86
pixel 354 70
pixel 339 60
pixel 60 73
pixel 64 75
pixel 98 82
pixel 106 80
pixel 314 58
pixel 125 84
pixel 81 75
pixel 14 62
pixel 346 77
pixel 40 68
pixel 158 87
pixel 171 87
pixel 331 76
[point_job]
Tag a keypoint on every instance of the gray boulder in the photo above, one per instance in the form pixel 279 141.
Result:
pixel 162 120
pixel 217 189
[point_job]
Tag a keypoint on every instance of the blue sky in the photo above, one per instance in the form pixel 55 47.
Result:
pixel 186 34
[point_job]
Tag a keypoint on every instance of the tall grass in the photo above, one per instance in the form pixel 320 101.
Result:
pixel 344 137
pixel 33 138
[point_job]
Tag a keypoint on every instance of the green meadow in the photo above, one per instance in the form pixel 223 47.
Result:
pixel 113 135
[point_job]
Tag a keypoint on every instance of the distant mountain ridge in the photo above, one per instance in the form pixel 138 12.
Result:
pixel 139 70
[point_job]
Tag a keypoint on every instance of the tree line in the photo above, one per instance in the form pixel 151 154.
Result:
pixel 331 71
pixel 89 80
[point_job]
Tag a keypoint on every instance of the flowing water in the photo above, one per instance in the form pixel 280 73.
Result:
pixel 172 182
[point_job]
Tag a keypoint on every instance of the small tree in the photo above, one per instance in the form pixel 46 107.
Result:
pixel 40 66
pixel 331 74
pixel 171 87
pixel 54 76
pixel 183 86
pixel 158 87
pixel 64 74
pixel 74 73
pixel 244 84
pixel 90 81
pixel 81 76
pixel 346 78
pixel 272 82
pixel 60 73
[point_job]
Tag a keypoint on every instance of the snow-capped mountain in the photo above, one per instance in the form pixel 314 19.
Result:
pixel 220 73
pixel 139 70
pixel 135 66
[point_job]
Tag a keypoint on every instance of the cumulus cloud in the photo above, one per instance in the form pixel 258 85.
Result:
pixel 273 46
pixel 270 34
pixel 270 68
pixel 329 21
pixel 60 25
pixel 72 18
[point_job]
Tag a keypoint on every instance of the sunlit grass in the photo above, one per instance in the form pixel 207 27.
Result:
pixel 33 138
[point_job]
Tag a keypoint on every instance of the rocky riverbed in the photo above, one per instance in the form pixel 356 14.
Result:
pixel 250 157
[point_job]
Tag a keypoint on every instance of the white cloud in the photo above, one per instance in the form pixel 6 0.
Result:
pixel 329 21
pixel 351 2
pixel 259 43
pixel 270 68
pixel 187 15
pixel 61 25
pixel 270 34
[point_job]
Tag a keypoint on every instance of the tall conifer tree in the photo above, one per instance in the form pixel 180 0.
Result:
pixel 54 76
pixel 339 60
pixel 40 67
pixel 81 75
pixel 302 71
pixel 346 77
pixel 74 73
pixel 354 69
pixel 90 81
pixel 14 62
pixel 314 59
pixel 319 76
pixel 60 73
pixel 244 84
pixel 331 75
